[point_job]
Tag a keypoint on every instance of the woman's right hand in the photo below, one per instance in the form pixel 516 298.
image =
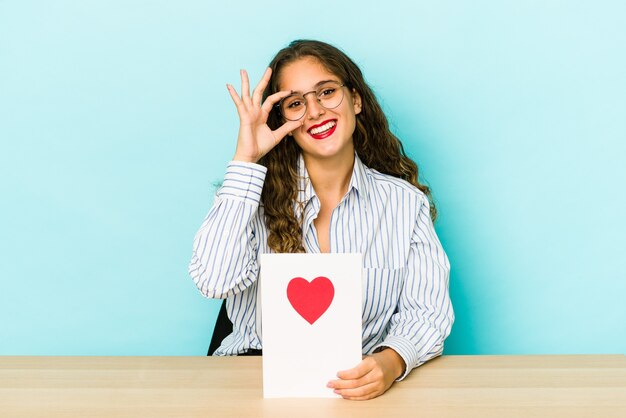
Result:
pixel 256 138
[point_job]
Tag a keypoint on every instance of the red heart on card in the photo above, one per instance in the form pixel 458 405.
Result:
pixel 310 299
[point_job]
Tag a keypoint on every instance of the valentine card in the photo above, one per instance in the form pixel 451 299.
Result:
pixel 311 321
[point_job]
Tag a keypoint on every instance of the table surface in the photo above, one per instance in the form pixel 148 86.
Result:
pixel 448 386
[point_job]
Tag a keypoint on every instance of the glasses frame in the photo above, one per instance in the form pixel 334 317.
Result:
pixel 303 95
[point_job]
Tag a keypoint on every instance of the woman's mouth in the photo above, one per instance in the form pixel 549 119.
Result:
pixel 323 130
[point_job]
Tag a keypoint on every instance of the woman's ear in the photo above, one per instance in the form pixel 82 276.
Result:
pixel 356 100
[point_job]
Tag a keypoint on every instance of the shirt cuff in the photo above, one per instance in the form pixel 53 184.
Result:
pixel 405 348
pixel 243 181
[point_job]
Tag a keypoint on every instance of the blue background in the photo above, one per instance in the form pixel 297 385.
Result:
pixel 115 124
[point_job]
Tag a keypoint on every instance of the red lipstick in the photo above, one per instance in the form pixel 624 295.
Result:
pixel 323 130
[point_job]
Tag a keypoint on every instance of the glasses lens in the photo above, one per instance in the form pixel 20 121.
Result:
pixel 330 95
pixel 293 107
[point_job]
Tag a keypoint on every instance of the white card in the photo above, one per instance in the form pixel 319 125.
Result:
pixel 311 321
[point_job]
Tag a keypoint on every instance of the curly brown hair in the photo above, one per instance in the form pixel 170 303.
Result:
pixel 374 143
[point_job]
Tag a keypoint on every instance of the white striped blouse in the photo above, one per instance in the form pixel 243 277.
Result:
pixel 406 271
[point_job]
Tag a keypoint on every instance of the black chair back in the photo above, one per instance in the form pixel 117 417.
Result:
pixel 223 328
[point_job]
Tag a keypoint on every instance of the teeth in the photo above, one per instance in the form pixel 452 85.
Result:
pixel 323 128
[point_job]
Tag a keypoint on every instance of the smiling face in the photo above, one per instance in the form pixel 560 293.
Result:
pixel 325 133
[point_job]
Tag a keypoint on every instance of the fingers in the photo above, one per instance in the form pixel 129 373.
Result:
pixel 273 99
pixel 287 127
pixel 367 387
pixel 235 97
pixel 364 373
pixel 257 94
pixel 368 391
pixel 364 367
pixel 365 381
pixel 245 86
pixel 258 91
pixel 350 384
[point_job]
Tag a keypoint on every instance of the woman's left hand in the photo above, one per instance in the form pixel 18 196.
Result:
pixel 371 378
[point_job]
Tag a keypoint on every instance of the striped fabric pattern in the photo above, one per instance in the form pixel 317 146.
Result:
pixel 406 272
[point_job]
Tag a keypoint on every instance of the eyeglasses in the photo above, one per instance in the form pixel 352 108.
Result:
pixel 329 95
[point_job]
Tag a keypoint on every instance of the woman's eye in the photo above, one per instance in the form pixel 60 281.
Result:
pixel 327 92
pixel 294 104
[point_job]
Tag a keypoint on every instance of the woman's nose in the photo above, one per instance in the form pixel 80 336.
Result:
pixel 313 107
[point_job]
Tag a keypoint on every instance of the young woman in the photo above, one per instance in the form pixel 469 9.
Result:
pixel 317 169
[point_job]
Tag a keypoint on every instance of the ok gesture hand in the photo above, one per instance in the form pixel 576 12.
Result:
pixel 256 138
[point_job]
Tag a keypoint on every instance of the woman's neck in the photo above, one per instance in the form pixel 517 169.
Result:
pixel 330 177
